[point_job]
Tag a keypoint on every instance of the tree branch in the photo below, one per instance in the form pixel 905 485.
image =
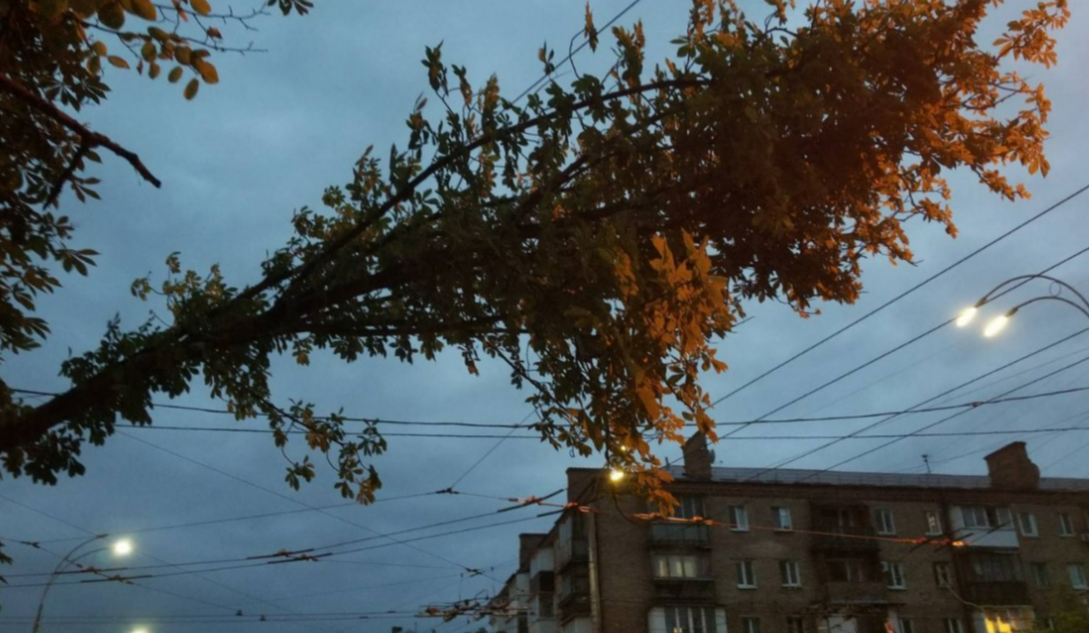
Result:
pixel 88 137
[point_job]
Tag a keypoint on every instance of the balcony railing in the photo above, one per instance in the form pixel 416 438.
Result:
pixel 684 589
pixel 838 537
pixel 574 551
pixel 543 581
pixel 873 592
pixel 573 606
pixel 997 593
pixel 674 534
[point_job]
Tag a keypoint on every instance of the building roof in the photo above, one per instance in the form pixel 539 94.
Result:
pixel 850 478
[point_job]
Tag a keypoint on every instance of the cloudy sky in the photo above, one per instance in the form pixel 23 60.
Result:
pixel 286 123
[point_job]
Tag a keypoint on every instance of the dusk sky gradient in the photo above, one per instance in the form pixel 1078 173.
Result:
pixel 286 123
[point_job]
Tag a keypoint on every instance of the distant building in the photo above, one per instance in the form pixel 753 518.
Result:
pixel 802 551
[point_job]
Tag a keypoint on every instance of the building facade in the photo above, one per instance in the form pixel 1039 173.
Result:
pixel 794 551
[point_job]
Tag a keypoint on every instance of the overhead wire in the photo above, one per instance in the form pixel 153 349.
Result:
pixel 904 294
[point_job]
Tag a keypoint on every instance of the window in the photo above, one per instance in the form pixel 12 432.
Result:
pixel 995 567
pixel 685 619
pixel 679 566
pixel 782 519
pixel 1040 575
pixel 1049 623
pixel 795 624
pixel 690 507
pixel 1008 620
pixel 1066 524
pixel 894 575
pixel 848 570
pixel 985 517
pixel 1027 522
pixel 933 523
pixel 953 625
pixel 1077 576
pixel 750 625
pixel 885 524
pixel 746 577
pixel 739 518
pixel 792 573
pixel 943 575
pixel 907 626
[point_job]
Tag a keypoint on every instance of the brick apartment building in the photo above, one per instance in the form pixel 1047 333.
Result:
pixel 802 551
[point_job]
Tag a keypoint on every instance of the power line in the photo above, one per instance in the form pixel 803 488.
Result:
pixel 907 292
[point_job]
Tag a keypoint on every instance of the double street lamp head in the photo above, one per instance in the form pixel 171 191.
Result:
pixel 993 327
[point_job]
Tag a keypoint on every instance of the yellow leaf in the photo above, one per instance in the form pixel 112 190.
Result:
pixel 144 9
pixel 117 61
pixel 191 89
pixel 201 6
pixel 207 71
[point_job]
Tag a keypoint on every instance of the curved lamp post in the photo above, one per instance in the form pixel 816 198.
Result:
pixel 121 547
pixel 998 323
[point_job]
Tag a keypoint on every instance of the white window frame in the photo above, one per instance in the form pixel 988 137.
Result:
pixel 795 624
pixel 894 574
pixel 1026 524
pixel 954 625
pixel 739 518
pixel 746 574
pixel 934 523
pixel 1038 579
pixel 943 574
pixel 886 525
pixel 1066 524
pixel 784 521
pixel 712 619
pixel 791 572
pixel 1076 571
pixel 750 624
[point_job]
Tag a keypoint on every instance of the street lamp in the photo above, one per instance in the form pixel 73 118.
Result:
pixel 998 323
pixel 122 547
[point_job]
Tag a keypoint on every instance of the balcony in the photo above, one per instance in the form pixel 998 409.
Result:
pixel 573 551
pixel 1008 593
pixel 841 538
pixel 544 581
pixel 678 534
pixel 684 590
pixel 873 592
pixel 573 606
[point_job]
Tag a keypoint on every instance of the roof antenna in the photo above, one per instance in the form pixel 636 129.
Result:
pixel 926 461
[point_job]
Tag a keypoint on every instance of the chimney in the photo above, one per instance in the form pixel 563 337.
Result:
pixel 1011 469
pixel 697 458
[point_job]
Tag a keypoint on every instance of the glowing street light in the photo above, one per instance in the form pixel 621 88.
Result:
pixel 998 323
pixel 122 547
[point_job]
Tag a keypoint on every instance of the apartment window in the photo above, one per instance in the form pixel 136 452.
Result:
pixel 750 625
pixel 782 519
pixel 1049 624
pixel 1027 522
pixel 795 624
pixel 995 567
pixel 847 570
pixel 689 507
pixel 682 619
pixel 1040 575
pixel 791 572
pixel 894 575
pixel 746 576
pixel 1066 524
pixel 933 523
pixel 885 524
pixel 739 518
pixel 985 516
pixel 943 575
pixel 679 566
pixel 953 625
pixel 907 626
pixel 1077 576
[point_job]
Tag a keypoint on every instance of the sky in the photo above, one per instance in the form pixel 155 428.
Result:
pixel 286 123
